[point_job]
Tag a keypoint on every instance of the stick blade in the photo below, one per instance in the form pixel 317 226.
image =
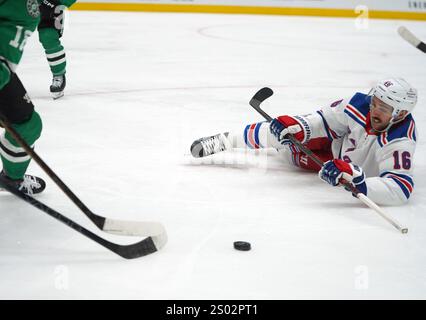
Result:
pixel 408 36
pixel 154 230
pixel 136 250
pixel 261 96
pixel 132 228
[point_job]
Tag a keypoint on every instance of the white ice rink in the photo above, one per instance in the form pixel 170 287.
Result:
pixel 141 88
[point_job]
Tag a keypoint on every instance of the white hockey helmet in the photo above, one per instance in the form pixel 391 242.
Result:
pixel 397 93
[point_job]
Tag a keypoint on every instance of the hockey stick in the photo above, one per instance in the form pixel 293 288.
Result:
pixel 119 227
pixel 411 38
pixel 131 251
pixel 264 94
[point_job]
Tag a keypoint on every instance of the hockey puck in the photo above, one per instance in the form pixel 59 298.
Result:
pixel 242 245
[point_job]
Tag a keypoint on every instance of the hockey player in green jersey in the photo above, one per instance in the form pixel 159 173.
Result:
pixel 18 20
pixel 50 31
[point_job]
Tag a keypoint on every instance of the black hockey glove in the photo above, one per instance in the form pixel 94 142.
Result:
pixel 52 15
pixel 47 7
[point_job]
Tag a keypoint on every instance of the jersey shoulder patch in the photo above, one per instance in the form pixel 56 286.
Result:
pixel 404 129
pixel 358 108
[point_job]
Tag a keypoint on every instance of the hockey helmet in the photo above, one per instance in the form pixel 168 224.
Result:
pixel 397 93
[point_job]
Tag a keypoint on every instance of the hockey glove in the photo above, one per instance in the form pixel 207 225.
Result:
pixel 333 171
pixel 284 125
pixel 52 15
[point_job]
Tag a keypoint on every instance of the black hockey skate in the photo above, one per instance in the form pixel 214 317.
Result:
pixel 58 86
pixel 29 185
pixel 210 145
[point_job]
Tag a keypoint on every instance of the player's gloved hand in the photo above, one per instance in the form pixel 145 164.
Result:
pixel 334 170
pixel 52 15
pixel 284 125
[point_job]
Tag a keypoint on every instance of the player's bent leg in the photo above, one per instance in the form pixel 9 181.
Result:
pixel 253 136
pixel 320 146
pixel 257 136
pixel 16 107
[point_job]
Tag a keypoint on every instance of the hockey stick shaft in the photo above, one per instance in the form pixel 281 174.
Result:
pixel 362 197
pixel 97 220
pixel 265 93
pixel 132 251
pixel 130 228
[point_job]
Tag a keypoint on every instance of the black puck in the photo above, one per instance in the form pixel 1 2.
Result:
pixel 242 245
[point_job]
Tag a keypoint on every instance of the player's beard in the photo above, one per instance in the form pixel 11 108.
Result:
pixel 378 126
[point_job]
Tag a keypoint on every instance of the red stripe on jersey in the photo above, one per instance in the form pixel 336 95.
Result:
pixel 295 155
pixel 402 180
pixel 251 136
pixel 410 130
pixel 333 134
pixel 356 113
pixel 383 138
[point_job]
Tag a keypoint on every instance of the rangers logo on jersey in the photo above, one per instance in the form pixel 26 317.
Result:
pixel 33 9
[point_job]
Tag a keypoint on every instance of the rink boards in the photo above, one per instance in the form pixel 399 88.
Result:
pixel 378 9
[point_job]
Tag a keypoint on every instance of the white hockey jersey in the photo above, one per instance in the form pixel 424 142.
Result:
pixel 386 158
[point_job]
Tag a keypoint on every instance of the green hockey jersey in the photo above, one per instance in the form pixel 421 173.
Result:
pixel 68 3
pixel 18 20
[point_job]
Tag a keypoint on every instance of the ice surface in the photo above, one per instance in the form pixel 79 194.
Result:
pixel 141 88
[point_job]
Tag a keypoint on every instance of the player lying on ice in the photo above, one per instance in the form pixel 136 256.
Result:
pixel 368 140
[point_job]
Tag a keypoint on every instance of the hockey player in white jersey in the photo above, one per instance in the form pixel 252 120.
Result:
pixel 368 140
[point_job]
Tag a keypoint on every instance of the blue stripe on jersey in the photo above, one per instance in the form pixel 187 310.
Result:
pixel 403 187
pixel 403 176
pixel 327 128
pixel 354 118
pixel 361 102
pixel 401 129
pixel 245 135
pixel 256 134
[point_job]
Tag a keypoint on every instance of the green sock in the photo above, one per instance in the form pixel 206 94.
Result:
pixel 14 158
pixel 55 53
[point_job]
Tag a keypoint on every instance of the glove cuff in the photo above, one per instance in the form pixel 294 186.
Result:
pixel 304 123
pixel 304 135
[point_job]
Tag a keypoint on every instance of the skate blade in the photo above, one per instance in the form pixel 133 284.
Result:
pixel 57 95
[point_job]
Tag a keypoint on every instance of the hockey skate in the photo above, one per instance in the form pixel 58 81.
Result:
pixel 210 145
pixel 58 86
pixel 29 185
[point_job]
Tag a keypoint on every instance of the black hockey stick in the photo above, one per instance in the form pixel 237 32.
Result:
pixel 131 251
pixel 264 94
pixel 408 36
pixel 258 98
pixel 154 230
